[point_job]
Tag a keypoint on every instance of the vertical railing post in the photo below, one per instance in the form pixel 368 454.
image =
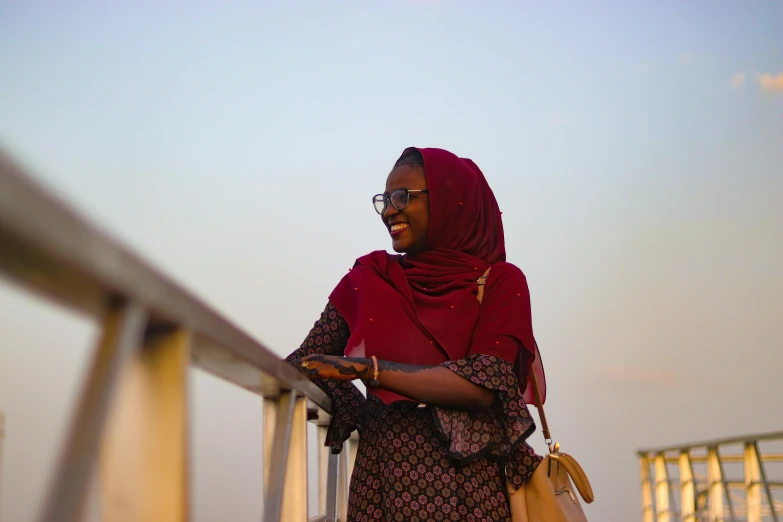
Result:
pixel 687 488
pixel 752 483
pixel 145 458
pixel 328 469
pixel 122 334
pixel 648 514
pixel 662 493
pixel 295 493
pixel 285 458
pixel 715 485
pixel 334 476
pixel 331 488
pixel 323 467
pixel 763 474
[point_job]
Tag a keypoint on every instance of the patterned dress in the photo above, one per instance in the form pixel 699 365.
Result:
pixel 427 463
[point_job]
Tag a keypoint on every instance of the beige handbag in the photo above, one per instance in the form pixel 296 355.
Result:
pixel 549 495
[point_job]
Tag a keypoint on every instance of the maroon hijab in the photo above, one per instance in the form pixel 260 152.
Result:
pixel 422 308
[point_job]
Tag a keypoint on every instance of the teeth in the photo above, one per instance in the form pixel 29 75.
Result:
pixel 399 226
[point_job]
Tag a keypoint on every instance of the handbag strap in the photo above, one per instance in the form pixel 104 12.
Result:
pixel 481 281
pixel 540 408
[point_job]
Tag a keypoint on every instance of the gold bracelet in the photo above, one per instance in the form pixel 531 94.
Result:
pixel 374 382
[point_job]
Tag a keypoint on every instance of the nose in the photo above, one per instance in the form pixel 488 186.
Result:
pixel 389 212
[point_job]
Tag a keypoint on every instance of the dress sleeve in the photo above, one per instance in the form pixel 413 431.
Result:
pixel 329 336
pixel 498 433
pixel 496 356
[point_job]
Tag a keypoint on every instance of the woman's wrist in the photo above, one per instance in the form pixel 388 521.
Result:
pixel 363 366
pixel 367 371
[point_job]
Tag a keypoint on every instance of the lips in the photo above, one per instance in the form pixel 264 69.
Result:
pixel 398 228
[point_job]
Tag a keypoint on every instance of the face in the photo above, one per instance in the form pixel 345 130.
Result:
pixel 408 228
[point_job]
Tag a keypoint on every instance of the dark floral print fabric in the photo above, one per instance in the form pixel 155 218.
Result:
pixel 500 432
pixel 403 472
pixel 416 462
pixel 328 337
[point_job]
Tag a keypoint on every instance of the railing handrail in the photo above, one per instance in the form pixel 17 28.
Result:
pixel 713 443
pixel 53 249
pixel 711 490
pixel 131 418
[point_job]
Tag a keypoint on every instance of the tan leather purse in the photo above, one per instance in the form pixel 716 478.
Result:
pixel 550 494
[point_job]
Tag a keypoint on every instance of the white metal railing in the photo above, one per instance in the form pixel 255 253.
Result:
pixel 690 483
pixel 131 419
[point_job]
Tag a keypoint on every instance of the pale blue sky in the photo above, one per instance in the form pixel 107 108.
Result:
pixel 635 154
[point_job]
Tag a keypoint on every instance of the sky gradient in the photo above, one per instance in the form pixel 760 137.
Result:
pixel 636 151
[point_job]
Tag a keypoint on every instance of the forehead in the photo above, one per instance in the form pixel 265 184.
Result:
pixel 406 177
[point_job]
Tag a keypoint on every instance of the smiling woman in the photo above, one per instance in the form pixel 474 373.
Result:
pixel 445 422
pixel 403 206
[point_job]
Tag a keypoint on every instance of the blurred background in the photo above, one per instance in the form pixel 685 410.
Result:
pixel 636 150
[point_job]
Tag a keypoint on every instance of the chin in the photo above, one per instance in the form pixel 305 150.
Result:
pixel 401 247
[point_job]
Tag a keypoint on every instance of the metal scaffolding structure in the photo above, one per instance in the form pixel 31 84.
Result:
pixel 720 480
pixel 131 420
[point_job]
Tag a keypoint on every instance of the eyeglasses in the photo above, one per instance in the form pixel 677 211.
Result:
pixel 398 198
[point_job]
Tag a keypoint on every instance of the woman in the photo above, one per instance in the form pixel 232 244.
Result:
pixel 444 423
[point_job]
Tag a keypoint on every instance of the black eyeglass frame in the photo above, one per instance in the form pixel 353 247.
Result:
pixel 387 199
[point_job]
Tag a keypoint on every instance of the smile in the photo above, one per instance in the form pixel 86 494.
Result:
pixel 398 229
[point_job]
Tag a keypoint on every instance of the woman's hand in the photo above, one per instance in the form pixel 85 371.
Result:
pixel 334 367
